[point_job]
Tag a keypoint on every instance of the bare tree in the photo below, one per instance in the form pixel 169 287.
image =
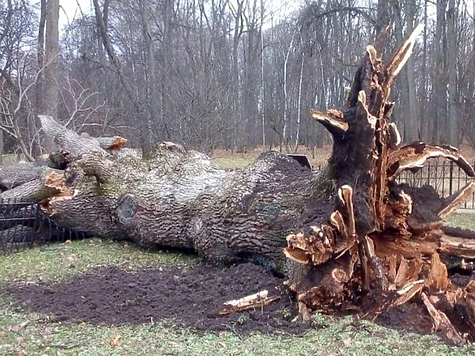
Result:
pixel 453 135
pixel 50 98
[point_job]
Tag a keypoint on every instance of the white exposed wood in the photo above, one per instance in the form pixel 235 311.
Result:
pixel 457 200
pixel 416 154
pixel 403 54
pixel 259 299
pixel 334 124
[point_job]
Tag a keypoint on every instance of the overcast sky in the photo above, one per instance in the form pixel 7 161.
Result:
pixel 70 8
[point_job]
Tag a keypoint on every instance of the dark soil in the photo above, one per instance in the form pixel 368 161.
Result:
pixel 461 280
pixel 191 298
pixel 413 316
pixel 459 232
pixel 410 317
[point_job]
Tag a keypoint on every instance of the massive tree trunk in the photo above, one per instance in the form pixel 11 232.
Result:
pixel 177 198
pixel 348 239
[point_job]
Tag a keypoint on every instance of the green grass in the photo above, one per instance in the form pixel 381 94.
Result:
pixel 344 337
pixel 465 220
pixel 61 261
pixel 26 333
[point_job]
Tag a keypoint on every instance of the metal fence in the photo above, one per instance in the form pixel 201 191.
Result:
pixel 24 225
pixel 445 176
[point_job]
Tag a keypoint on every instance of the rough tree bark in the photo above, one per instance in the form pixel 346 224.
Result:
pixel 378 248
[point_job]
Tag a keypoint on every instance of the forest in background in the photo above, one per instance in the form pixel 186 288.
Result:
pixel 231 74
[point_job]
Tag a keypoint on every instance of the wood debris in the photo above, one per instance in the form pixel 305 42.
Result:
pixel 257 300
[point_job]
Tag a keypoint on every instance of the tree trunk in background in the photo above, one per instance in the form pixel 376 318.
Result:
pixel 150 81
pixel 105 20
pixel 51 60
pixel 411 110
pixel 440 98
pixel 263 88
pixel 382 22
pixel 236 109
pixel 40 58
pixel 166 67
pixel 39 94
pixel 1 147
pixel 453 119
pixel 424 124
pixel 403 112
pixel 299 104
pixel 285 106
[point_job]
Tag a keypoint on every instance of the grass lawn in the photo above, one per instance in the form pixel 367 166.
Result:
pixel 26 333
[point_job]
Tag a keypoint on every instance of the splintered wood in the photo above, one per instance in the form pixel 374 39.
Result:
pixel 442 322
pixel 380 247
pixel 256 300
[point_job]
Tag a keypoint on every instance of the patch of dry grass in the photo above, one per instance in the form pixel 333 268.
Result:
pixel 229 159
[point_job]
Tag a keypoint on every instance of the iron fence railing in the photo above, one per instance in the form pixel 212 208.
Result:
pixel 445 176
pixel 24 225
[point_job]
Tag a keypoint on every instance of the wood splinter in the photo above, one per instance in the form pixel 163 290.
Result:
pixel 442 322
pixel 256 300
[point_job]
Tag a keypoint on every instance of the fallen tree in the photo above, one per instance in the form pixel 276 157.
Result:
pixel 379 247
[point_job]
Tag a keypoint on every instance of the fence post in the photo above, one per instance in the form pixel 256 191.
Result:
pixel 451 175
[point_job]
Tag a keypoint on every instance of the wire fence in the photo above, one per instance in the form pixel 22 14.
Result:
pixel 24 225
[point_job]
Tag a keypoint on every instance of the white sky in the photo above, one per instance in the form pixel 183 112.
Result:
pixel 71 8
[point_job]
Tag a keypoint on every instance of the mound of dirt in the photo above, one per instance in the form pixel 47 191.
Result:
pixel 192 298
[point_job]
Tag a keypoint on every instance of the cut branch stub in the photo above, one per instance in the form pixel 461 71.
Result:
pixel 114 143
pixel 332 120
pixel 126 209
pixel 74 143
pixel 38 189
